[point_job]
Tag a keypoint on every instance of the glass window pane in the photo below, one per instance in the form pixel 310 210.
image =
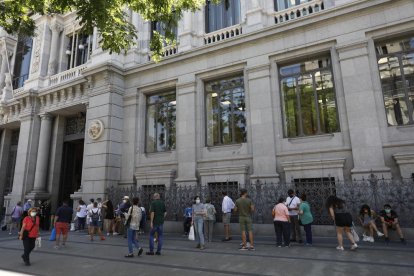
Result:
pixel 161 127
pixel 326 102
pixel 151 123
pixel 225 117
pixel 307 105
pixel 395 46
pixel 223 15
pixel 290 107
pixel 239 117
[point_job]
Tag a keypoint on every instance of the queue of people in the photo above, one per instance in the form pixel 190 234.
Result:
pixel 289 215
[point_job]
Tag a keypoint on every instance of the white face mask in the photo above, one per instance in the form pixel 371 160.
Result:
pixel 197 201
pixel 33 214
pixel 124 201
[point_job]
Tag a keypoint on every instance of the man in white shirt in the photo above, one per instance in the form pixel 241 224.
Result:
pixel 226 207
pixel 292 203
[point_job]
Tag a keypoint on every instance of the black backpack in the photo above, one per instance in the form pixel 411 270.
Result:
pixel 95 216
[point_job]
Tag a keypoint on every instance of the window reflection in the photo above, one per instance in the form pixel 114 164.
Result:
pixel 309 103
pixel 161 118
pixel 396 69
pixel 22 61
pixel 225 111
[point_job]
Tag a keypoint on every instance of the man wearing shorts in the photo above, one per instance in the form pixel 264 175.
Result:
pixel 245 208
pixel 226 208
pixel 63 219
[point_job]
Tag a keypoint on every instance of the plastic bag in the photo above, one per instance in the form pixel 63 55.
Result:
pixel 72 226
pixel 354 233
pixel 191 235
pixel 38 242
pixel 52 235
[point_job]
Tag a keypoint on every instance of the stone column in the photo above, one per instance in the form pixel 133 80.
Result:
pixel 3 68
pixel 43 154
pixel 5 143
pixel 261 122
pixel 365 134
pixel 186 132
pixel 53 59
pixel 255 16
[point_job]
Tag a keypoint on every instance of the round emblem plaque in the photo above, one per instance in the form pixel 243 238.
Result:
pixel 95 129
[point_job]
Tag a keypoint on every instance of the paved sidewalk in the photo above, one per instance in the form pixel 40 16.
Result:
pixel 180 257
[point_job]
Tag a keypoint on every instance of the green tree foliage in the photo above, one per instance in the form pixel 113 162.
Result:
pixel 109 16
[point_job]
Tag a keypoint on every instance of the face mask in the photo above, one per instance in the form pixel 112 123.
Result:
pixel 197 201
pixel 33 214
pixel 124 201
pixel 387 211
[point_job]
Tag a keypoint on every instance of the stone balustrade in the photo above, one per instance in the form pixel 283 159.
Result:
pixel 223 34
pixel 17 92
pixel 66 75
pixel 298 11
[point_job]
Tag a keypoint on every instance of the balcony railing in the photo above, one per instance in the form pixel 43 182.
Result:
pixel 223 34
pixel 298 11
pixel 67 75
pixel 166 51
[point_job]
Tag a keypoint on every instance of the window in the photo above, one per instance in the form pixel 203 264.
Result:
pixel 161 115
pixel 308 97
pixel 225 111
pixel 79 49
pixel 396 68
pixel 222 15
pixel 160 28
pixel 286 4
pixel 22 61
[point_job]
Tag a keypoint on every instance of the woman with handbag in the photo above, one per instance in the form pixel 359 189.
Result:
pixel 29 233
pixel 342 219
pixel 281 222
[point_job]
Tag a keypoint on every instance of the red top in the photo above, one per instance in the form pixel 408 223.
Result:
pixel 28 221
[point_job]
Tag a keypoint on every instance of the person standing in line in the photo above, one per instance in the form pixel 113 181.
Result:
pixel 16 217
pixel 188 217
pixel 306 219
pixel 95 221
pixel 133 217
pixel 109 217
pixel 209 220
pixel 81 213
pixel 123 208
pixel 88 210
pixel 31 225
pixel 292 203
pixel 199 212
pixel 281 221
pixel 342 219
pixel 245 207
pixel 226 207
pixel 157 216
pixel 63 219
pixel 26 208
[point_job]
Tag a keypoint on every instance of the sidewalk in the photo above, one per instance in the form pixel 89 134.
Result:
pixel 180 257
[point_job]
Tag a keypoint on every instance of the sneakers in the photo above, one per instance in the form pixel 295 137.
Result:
pixel 130 255
pixel 202 247
pixel 370 239
pixel 354 246
pixel 340 248
pixel 102 238
pixel 365 237
pixel 115 234
pixel 158 253
pixel 380 234
pixel 140 251
pixel 150 253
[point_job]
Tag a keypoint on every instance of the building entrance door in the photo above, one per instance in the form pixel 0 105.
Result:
pixel 71 176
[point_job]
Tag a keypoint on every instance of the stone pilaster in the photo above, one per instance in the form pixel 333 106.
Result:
pixel 364 128
pixel 186 132
pixel 5 143
pixel 53 58
pixel 261 122
pixel 39 187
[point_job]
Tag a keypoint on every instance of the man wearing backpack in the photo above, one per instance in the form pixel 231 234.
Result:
pixel 63 219
pixel 95 221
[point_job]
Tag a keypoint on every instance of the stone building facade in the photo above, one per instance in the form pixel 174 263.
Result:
pixel 254 90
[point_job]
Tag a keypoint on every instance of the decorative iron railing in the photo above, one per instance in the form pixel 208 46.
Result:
pixel 373 191
pixel 298 11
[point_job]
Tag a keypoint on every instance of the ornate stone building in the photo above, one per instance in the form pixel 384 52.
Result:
pixel 254 90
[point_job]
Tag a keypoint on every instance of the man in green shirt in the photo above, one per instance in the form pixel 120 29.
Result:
pixel 245 208
pixel 157 215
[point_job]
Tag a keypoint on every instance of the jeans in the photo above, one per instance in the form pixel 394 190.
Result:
pixel 295 228
pixel 132 240
pixel 28 245
pixel 208 229
pixel 308 231
pixel 81 223
pixel 159 230
pixel 282 228
pixel 198 229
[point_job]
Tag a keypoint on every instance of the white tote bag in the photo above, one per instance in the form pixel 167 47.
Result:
pixel 354 233
pixel 191 235
pixel 72 226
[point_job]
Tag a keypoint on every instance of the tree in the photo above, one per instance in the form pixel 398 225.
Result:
pixel 109 16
